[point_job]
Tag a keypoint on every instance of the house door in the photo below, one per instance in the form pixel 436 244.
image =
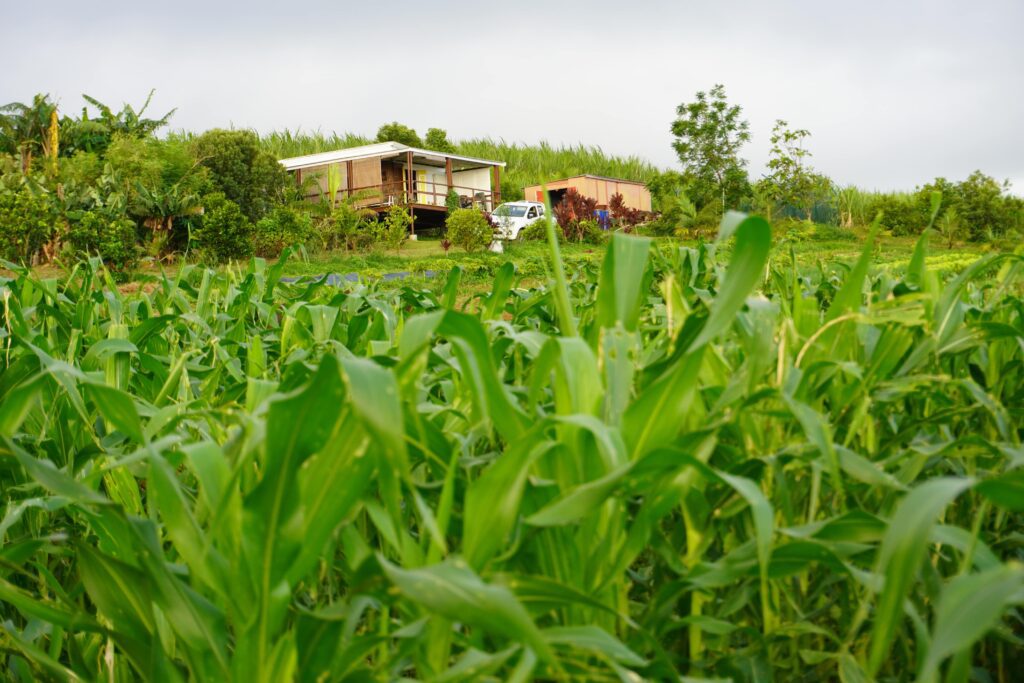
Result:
pixel 424 193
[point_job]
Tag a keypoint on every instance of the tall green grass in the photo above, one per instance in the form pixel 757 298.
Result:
pixel 287 143
pixel 673 463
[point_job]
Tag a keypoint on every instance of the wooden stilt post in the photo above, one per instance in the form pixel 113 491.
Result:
pixel 410 175
pixel 448 177
pixel 349 179
pixel 495 187
pixel 410 196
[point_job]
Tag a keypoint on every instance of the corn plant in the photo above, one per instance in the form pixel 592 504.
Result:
pixel 684 462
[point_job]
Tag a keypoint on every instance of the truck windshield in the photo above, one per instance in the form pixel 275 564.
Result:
pixel 511 211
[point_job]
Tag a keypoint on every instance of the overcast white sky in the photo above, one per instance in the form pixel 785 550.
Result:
pixel 894 93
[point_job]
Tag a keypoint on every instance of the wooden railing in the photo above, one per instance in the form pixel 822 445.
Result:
pixel 428 192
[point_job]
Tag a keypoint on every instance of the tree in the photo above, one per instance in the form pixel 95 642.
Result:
pixel 247 175
pixel 95 133
pixel 397 132
pixel 469 229
pixel 791 181
pixel 29 128
pixel 983 207
pixel 437 140
pixel 709 133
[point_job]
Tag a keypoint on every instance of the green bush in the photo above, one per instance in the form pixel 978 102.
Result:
pixel 84 168
pixel 900 215
pixel 452 201
pixel 469 229
pixel 26 224
pixel 590 231
pixel 709 216
pixel 225 233
pixel 281 228
pixel 668 223
pixel 393 230
pixel 112 238
pixel 537 231
pixel 832 233
pixel 347 227
pixel 982 207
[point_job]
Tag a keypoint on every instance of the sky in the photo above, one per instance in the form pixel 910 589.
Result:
pixel 894 93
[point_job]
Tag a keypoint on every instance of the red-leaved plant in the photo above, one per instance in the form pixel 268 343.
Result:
pixel 623 216
pixel 574 208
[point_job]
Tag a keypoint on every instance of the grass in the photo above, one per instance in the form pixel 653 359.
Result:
pixel 711 461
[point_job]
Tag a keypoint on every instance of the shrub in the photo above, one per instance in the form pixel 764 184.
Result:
pixel 899 214
pixel 84 168
pixel 709 216
pixel 393 229
pixel 670 222
pixel 573 207
pixel 111 237
pixel 239 168
pixel 623 216
pixel 225 233
pixel 281 228
pixel 591 232
pixel 469 229
pixel 983 210
pixel 26 224
pixel 452 201
pixel 347 227
pixel 832 233
pixel 537 230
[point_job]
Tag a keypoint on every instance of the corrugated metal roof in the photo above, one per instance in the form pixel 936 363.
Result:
pixel 378 149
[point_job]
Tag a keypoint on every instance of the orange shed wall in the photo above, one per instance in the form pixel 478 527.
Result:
pixel 635 196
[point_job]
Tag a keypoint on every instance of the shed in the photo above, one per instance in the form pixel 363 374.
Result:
pixel 635 195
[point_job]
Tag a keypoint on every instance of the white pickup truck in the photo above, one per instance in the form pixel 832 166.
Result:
pixel 512 217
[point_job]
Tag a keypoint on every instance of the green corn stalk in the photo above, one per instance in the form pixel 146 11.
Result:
pixel 709 460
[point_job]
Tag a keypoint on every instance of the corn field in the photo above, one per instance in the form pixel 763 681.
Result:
pixel 684 463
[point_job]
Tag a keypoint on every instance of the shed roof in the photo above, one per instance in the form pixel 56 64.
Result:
pixel 378 149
